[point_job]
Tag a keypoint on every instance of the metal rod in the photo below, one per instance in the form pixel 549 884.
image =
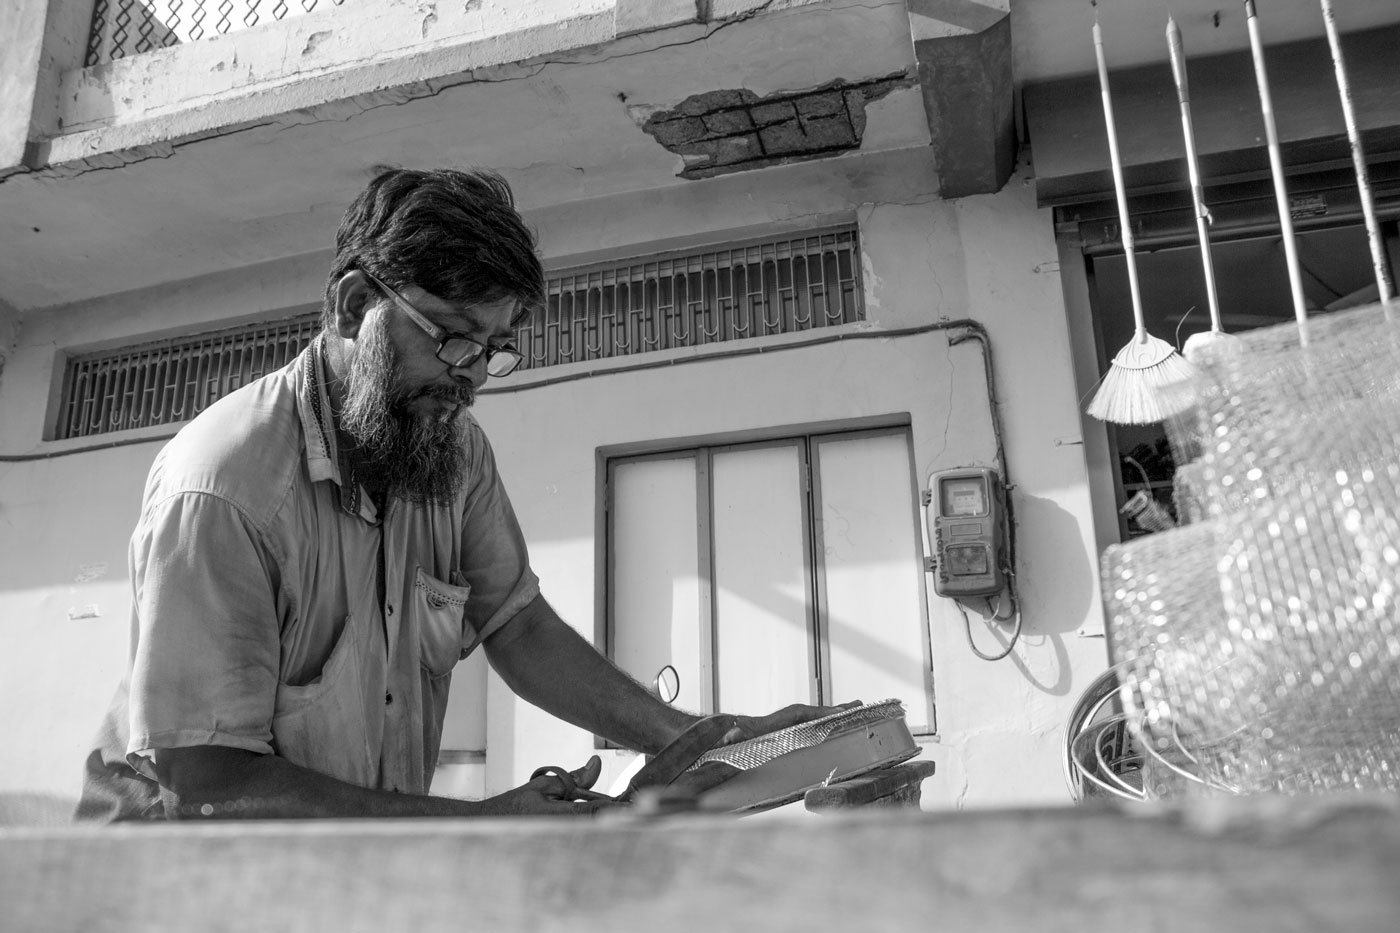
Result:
pixel 1358 158
pixel 1203 219
pixel 1285 214
pixel 1119 188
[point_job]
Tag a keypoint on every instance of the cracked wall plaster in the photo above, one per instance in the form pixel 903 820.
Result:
pixel 723 131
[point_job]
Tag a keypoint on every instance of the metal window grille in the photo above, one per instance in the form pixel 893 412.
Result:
pixel 129 27
pixel 691 299
pixel 168 381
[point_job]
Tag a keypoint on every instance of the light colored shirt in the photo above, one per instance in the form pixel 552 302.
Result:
pixel 257 620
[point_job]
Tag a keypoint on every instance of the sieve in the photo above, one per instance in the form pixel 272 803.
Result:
pixel 779 767
pixel 757 751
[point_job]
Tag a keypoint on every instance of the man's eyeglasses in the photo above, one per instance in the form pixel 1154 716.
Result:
pixel 454 349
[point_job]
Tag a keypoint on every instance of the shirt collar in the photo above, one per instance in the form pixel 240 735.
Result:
pixel 327 456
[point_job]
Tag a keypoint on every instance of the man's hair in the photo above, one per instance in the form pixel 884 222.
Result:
pixel 455 233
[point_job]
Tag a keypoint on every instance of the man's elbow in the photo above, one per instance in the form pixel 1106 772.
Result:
pixel 203 781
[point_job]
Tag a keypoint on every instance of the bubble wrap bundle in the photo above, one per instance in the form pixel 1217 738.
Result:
pixel 1261 639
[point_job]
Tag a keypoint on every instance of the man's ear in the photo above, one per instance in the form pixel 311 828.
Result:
pixel 354 296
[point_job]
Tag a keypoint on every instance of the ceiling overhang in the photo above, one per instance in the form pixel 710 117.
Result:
pixel 564 127
pixel 1065 120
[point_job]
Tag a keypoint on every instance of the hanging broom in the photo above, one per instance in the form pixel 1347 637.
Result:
pixel 1384 288
pixel 1214 340
pixel 1285 213
pixel 1130 392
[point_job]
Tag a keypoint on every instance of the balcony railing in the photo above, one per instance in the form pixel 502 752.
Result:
pixel 130 27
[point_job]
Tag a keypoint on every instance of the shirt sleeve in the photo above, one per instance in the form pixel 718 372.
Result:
pixel 493 556
pixel 206 652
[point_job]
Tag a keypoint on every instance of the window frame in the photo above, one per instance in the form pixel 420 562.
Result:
pixel 807 438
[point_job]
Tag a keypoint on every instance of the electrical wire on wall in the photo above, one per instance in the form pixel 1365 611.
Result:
pixel 966 329
pixel 963 330
pixel 973 330
pixel 995 616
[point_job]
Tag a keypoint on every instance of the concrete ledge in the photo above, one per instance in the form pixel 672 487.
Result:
pixel 22 25
pixel 1066 127
pixel 633 16
pixel 1275 865
pixel 310 61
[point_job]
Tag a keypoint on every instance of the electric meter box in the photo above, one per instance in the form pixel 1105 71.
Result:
pixel 966 523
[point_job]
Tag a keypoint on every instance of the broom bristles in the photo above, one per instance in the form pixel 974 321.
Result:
pixel 1132 390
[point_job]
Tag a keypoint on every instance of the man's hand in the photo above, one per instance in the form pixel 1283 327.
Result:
pixel 553 795
pixel 749 727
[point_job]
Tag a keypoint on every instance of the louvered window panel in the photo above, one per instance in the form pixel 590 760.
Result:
pixel 168 381
pixel 777 286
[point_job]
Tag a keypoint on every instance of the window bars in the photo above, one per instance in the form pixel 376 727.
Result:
pixel 168 381
pixel 129 27
pixel 776 286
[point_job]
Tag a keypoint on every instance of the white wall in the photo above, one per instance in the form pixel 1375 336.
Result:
pixel 64 521
pixel 989 258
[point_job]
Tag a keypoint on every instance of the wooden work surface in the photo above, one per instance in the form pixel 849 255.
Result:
pixel 1277 865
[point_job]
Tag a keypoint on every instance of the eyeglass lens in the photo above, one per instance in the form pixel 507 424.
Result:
pixel 500 362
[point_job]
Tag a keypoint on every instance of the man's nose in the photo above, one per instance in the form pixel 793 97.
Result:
pixel 474 373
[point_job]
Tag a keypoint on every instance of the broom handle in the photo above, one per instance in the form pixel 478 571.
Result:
pixel 1198 199
pixel 1285 216
pixel 1139 322
pixel 1358 158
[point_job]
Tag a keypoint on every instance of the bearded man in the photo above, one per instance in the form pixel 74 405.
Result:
pixel 317 550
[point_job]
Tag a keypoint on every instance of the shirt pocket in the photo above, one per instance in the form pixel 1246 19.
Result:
pixel 440 615
pixel 321 725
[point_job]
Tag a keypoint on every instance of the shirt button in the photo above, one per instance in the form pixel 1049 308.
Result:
pixel 388 698
pixel 390 610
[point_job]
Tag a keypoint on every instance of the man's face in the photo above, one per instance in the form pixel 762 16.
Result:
pixel 403 406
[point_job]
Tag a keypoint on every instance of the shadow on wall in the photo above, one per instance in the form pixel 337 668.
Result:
pixel 1062 591
pixel 1059 563
pixel 30 809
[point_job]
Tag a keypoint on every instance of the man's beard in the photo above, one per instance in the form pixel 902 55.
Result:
pixel 403 453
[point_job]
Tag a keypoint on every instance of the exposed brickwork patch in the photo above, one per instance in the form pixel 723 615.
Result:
pixel 735 130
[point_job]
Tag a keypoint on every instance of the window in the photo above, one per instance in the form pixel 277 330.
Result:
pixel 773 572
pixel 774 286
pixel 172 380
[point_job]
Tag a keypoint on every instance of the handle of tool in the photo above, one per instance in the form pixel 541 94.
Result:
pixel 680 753
pixel 1119 188
pixel 1358 160
pixel 1198 199
pixel 1285 214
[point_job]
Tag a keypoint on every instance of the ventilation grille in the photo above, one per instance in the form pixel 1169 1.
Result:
pixel 692 299
pixel 168 381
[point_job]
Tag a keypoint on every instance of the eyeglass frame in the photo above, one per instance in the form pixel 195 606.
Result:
pixel 477 348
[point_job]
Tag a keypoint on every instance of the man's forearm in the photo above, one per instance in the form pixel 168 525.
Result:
pixel 229 783
pixel 547 663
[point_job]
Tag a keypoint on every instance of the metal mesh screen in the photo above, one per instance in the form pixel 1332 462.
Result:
pixel 168 381
pixel 691 299
pixel 764 748
pixel 129 27
pixel 1261 642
